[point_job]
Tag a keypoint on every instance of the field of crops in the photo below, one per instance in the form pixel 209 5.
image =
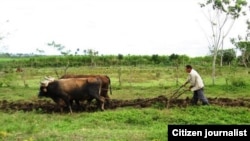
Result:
pixel 140 107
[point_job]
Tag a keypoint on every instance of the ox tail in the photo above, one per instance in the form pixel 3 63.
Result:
pixel 100 86
pixel 110 90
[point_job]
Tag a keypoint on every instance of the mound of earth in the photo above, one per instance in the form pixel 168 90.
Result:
pixel 48 106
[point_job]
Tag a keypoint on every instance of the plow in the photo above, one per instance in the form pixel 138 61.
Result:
pixel 175 94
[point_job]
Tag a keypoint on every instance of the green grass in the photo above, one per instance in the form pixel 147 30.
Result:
pixel 121 124
pixel 135 82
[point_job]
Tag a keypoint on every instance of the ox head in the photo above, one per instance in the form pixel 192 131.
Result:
pixel 44 85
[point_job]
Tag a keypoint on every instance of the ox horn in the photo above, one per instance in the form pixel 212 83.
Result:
pixel 44 83
pixel 50 79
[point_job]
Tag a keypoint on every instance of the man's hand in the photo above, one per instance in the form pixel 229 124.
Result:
pixel 184 84
pixel 190 87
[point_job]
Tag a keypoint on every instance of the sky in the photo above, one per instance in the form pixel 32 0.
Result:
pixel 139 27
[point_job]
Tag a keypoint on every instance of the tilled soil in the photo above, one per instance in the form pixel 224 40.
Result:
pixel 48 106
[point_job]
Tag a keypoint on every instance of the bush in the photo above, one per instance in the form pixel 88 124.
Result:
pixel 238 82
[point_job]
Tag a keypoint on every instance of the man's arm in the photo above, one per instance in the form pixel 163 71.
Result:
pixel 185 83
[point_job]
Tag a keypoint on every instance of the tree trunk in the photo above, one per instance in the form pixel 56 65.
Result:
pixel 222 52
pixel 244 58
pixel 119 76
pixel 221 59
pixel 213 68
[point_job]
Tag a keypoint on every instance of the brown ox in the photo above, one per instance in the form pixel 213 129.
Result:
pixel 106 84
pixel 71 89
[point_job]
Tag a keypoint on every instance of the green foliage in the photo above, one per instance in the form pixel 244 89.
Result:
pixel 108 60
pixel 232 8
pixel 89 60
pixel 122 124
pixel 216 115
pixel 238 82
pixel 176 59
pixel 228 56
pixel 8 80
pixel 244 47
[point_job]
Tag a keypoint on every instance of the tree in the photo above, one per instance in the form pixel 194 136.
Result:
pixel 221 16
pixel 120 57
pixel 40 51
pixel 61 48
pixel 155 59
pixel 174 59
pixel 244 47
pixel 178 59
pixel 92 54
pixel 243 44
pixel 228 55
pixel 77 50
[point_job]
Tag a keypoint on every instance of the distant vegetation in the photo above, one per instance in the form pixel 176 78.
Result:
pixel 22 60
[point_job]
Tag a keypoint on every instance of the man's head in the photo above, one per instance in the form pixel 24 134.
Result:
pixel 188 68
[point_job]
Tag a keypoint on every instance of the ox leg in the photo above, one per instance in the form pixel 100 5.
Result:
pixel 107 98
pixel 89 100
pixel 104 93
pixel 60 103
pixel 78 104
pixel 70 107
pixel 71 101
pixel 96 95
pixel 101 101
pixel 68 103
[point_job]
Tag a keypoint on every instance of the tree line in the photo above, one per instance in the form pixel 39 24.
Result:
pixel 17 61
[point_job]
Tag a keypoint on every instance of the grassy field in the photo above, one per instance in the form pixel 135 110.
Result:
pixel 113 125
pixel 121 124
